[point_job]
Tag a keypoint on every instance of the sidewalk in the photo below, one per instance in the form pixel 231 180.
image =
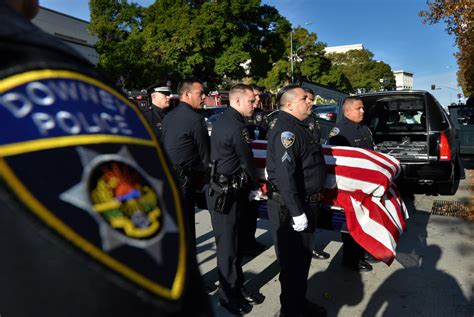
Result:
pixel 433 274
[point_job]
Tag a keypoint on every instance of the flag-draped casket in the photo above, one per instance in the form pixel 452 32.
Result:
pixel 362 183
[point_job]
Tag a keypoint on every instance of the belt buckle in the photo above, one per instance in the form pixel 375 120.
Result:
pixel 314 198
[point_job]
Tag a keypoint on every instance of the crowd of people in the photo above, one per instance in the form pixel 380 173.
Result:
pixel 295 166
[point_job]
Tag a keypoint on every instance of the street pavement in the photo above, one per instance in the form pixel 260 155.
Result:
pixel 433 274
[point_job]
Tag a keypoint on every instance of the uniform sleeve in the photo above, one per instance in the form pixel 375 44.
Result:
pixel 201 139
pixel 243 149
pixel 336 137
pixel 284 149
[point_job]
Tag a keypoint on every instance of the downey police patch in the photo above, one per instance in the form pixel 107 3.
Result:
pixel 82 159
pixel 334 131
pixel 287 138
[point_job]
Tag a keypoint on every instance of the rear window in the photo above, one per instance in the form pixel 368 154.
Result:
pixel 395 114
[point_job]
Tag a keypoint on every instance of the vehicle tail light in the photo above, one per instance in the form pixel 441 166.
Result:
pixel 444 150
pixel 331 115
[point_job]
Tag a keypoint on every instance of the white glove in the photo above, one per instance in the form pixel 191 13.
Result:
pixel 300 222
pixel 255 195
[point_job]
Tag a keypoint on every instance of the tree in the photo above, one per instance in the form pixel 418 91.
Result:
pixel 458 16
pixel 210 40
pixel 363 72
pixel 118 26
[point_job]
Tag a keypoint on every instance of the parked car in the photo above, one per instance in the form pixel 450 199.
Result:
pixel 462 117
pixel 211 115
pixel 413 127
pixel 326 112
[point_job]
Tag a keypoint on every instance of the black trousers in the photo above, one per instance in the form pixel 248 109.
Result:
pixel 189 199
pixel 294 252
pixel 249 225
pixel 227 232
pixel 352 252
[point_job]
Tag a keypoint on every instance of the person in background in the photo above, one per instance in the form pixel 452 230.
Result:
pixel 257 122
pixel 250 245
pixel 296 177
pixel 350 131
pixel 159 97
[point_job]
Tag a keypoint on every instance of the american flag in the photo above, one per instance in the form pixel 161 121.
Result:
pixel 362 183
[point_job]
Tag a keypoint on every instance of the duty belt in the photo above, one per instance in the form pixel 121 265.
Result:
pixel 314 198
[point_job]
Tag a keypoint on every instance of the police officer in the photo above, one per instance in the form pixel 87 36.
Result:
pixel 186 141
pixel 159 95
pixel 313 126
pixel 250 245
pixel 257 122
pixel 296 176
pixel 227 199
pixel 350 131
pixel 62 256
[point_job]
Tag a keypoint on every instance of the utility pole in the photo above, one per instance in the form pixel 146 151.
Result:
pixel 291 55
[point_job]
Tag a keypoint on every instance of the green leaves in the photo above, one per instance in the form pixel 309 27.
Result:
pixel 220 42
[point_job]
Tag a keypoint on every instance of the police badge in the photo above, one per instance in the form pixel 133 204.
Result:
pixel 334 131
pixel 287 139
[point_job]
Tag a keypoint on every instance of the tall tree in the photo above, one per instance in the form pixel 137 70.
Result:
pixel 211 40
pixel 363 72
pixel 459 18
pixel 118 26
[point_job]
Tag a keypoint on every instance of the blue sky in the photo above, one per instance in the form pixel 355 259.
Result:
pixel 391 29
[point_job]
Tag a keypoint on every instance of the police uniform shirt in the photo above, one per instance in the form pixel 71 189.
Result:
pixel 155 118
pixel 313 126
pixel 230 144
pixel 295 162
pixel 185 137
pixel 350 133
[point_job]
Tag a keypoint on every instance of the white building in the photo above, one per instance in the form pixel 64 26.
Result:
pixel 70 30
pixel 343 48
pixel 403 79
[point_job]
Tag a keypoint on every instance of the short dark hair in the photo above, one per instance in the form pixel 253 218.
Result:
pixel 283 91
pixel 255 87
pixel 309 91
pixel 239 88
pixel 349 100
pixel 186 84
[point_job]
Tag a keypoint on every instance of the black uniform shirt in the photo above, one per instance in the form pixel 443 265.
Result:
pixel 155 118
pixel 230 145
pixel 350 133
pixel 313 126
pixel 185 138
pixel 295 162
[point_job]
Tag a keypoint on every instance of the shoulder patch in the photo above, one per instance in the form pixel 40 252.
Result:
pixel 107 188
pixel 272 123
pixel 287 139
pixel 334 131
pixel 259 117
pixel 246 136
